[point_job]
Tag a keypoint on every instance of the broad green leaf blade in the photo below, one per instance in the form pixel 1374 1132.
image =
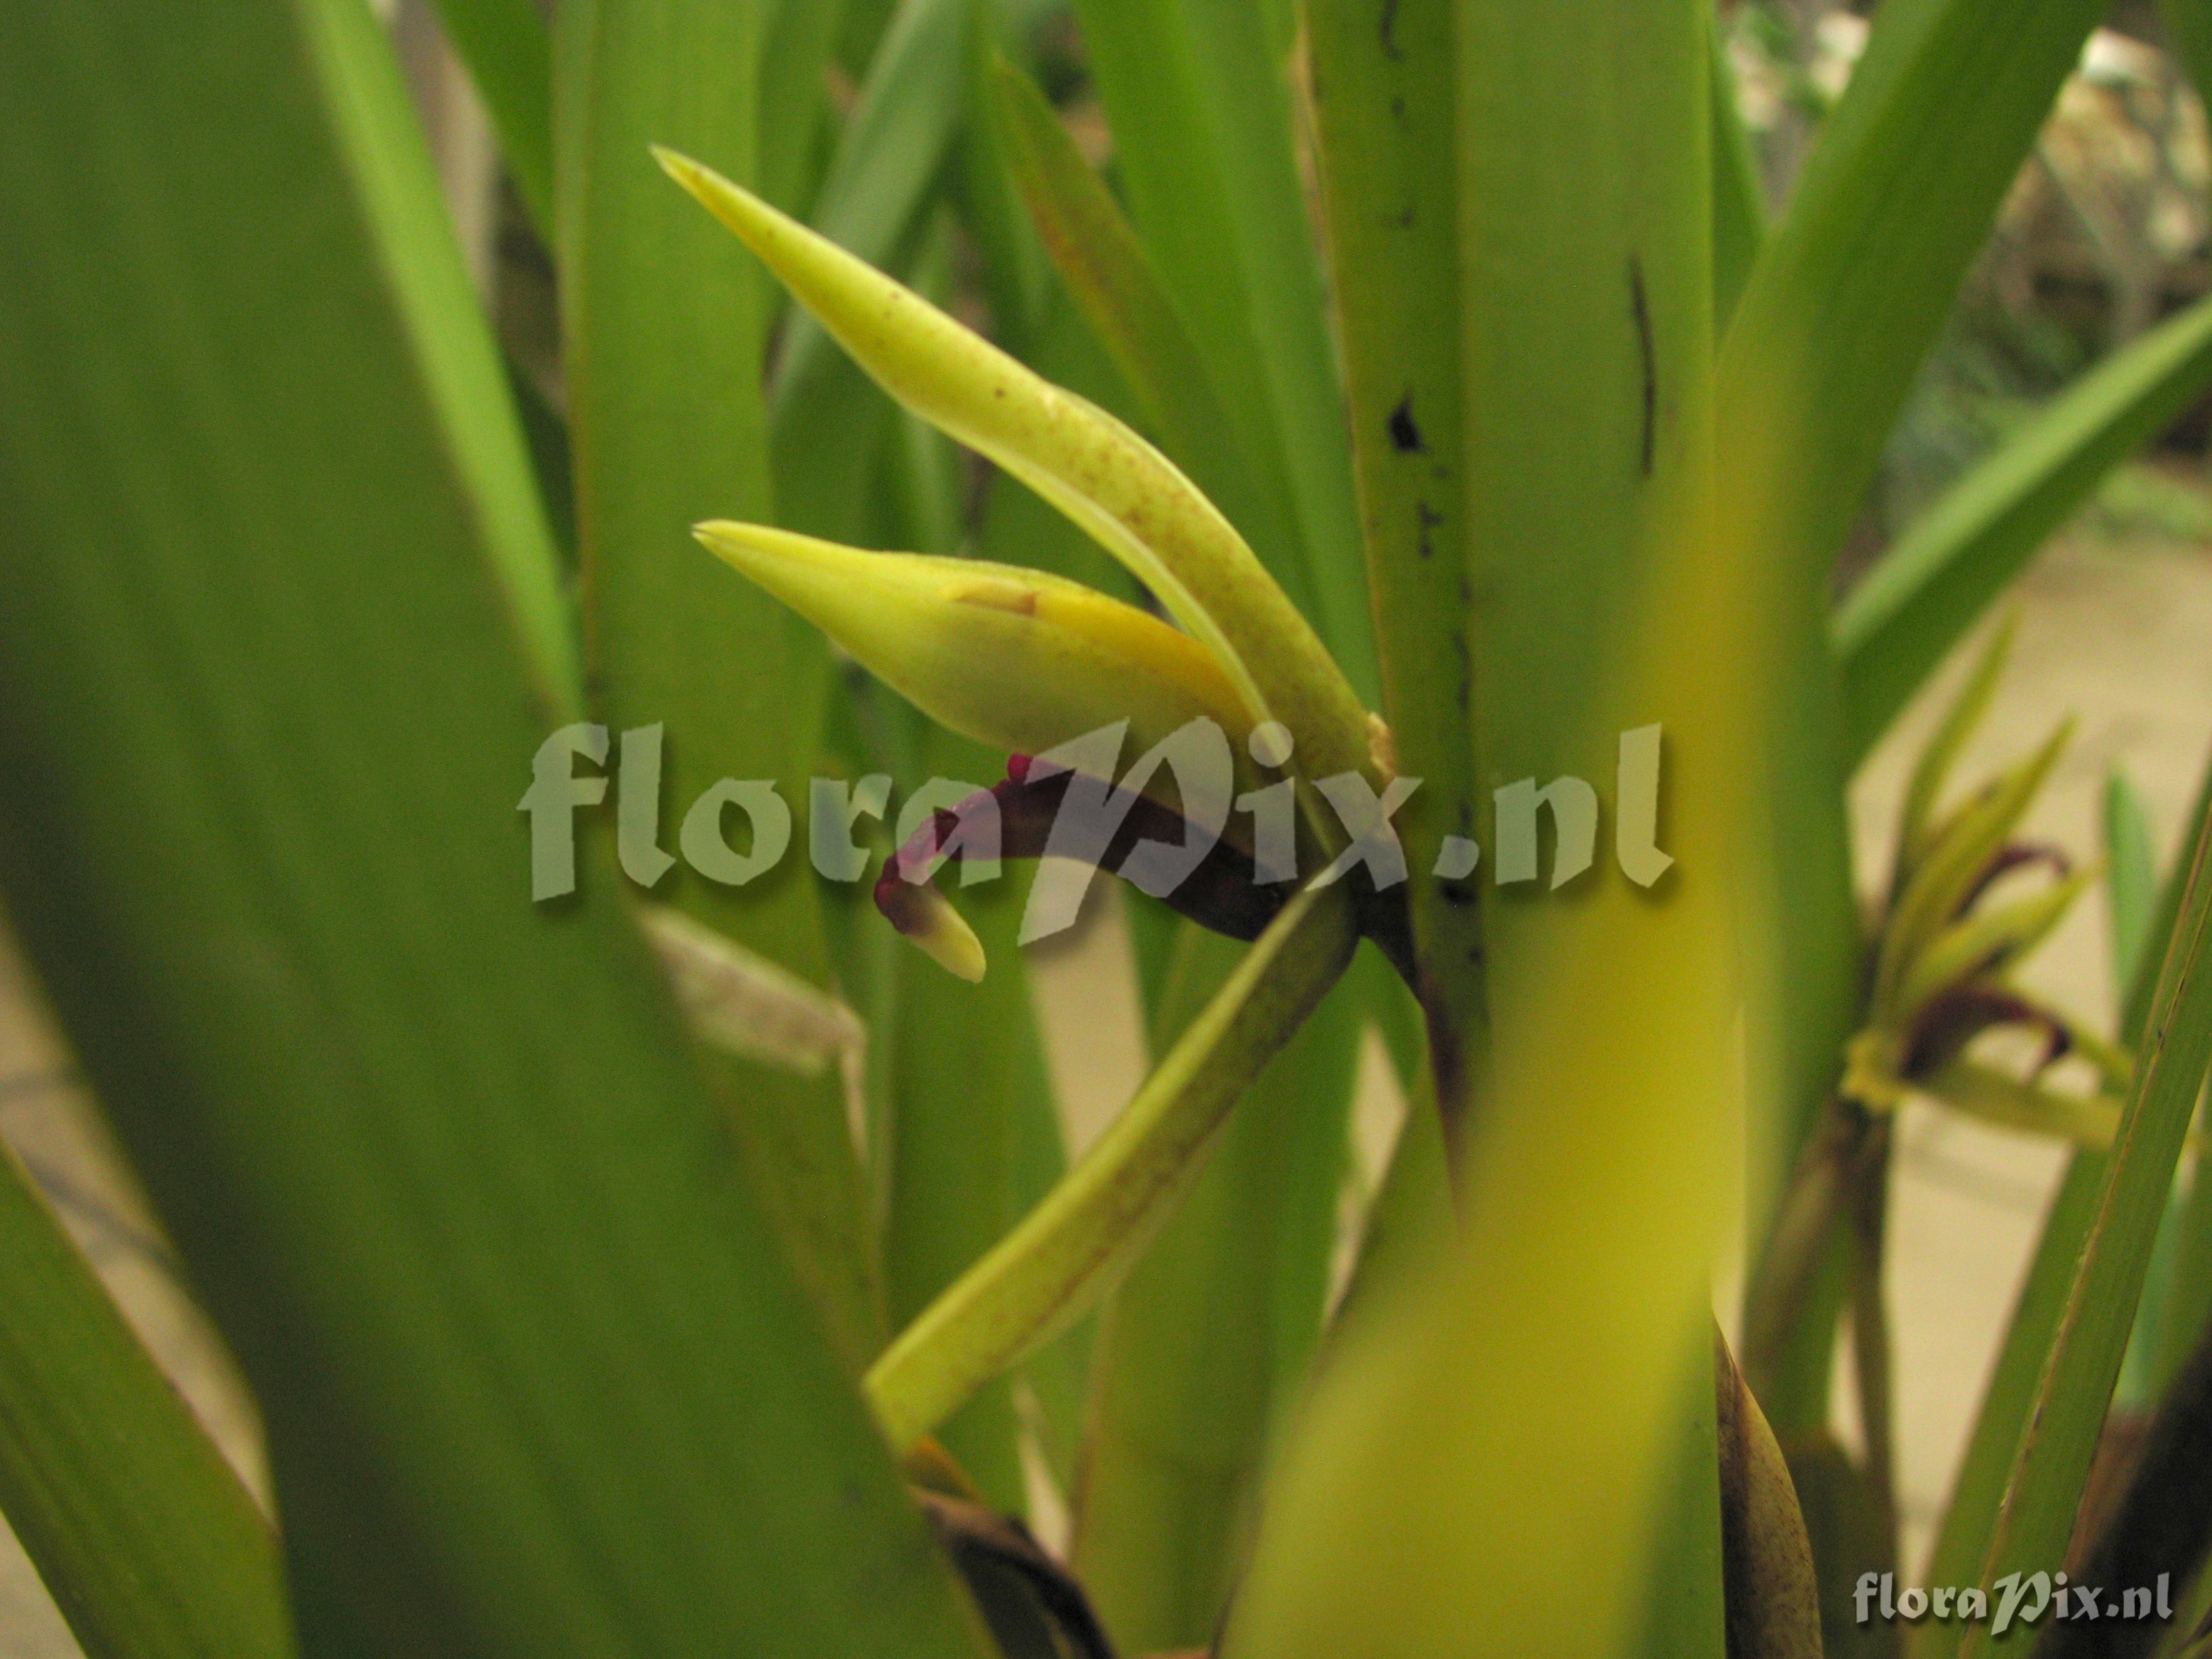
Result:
pixel 1013 273
pixel 1588 1230
pixel 2050 1465
pixel 1197 95
pixel 2188 1309
pixel 145 1539
pixel 1573 318
pixel 796 45
pixel 1383 108
pixel 662 324
pixel 509 56
pixel 890 152
pixel 1207 1341
pixel 1859 273
pixel 1040 1278
pixel 1739 198
pixel 469 398
pixel 2130 879
pixel 537 1377
pixel 1902 620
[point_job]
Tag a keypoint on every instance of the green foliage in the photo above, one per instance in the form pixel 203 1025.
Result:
pixel 146 1539
pixel 1434 358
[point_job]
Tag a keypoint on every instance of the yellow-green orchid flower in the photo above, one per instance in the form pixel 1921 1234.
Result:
pixel 1949 942
pixel 1029 662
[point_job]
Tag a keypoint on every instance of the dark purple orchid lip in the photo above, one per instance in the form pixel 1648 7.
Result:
pixel 1955 1017
pixel 1222 893
pixel 2015 855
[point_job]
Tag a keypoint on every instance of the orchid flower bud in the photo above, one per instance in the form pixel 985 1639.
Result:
pixel 1012 658
pixel 1108 480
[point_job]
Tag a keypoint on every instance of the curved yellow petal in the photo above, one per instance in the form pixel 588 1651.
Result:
pixel 1090 466
pixel 1012 658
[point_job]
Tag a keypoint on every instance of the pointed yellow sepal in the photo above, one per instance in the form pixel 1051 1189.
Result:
pixel 925 915
pixel 1987 941
pixel 1103 476
pixel 1956 855
pixel 1012 658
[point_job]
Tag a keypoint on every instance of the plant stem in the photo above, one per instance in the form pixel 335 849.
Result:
pixel 1780 1288
pixel 1062 1259
pixel 1869 1197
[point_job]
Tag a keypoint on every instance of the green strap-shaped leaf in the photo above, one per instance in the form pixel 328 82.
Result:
pixel 1385 1532
pixel 537 1374
pixel 2051 1464
pixel 2131 879
pixel 1067 1253
pixel 1858 274
pixel 509 54
pixel 469 399
pixel 797 43
pixel 662 327
pixel 2189 1302
pixel 1198 96
pixel 889 153
pixel 1739 198
pixel 145 1539
pixel 1383 108
pixel 1902 620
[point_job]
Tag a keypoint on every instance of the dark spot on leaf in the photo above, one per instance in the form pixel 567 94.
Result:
pixel 1405 436
pixel 1391 49
pixel 1642 309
